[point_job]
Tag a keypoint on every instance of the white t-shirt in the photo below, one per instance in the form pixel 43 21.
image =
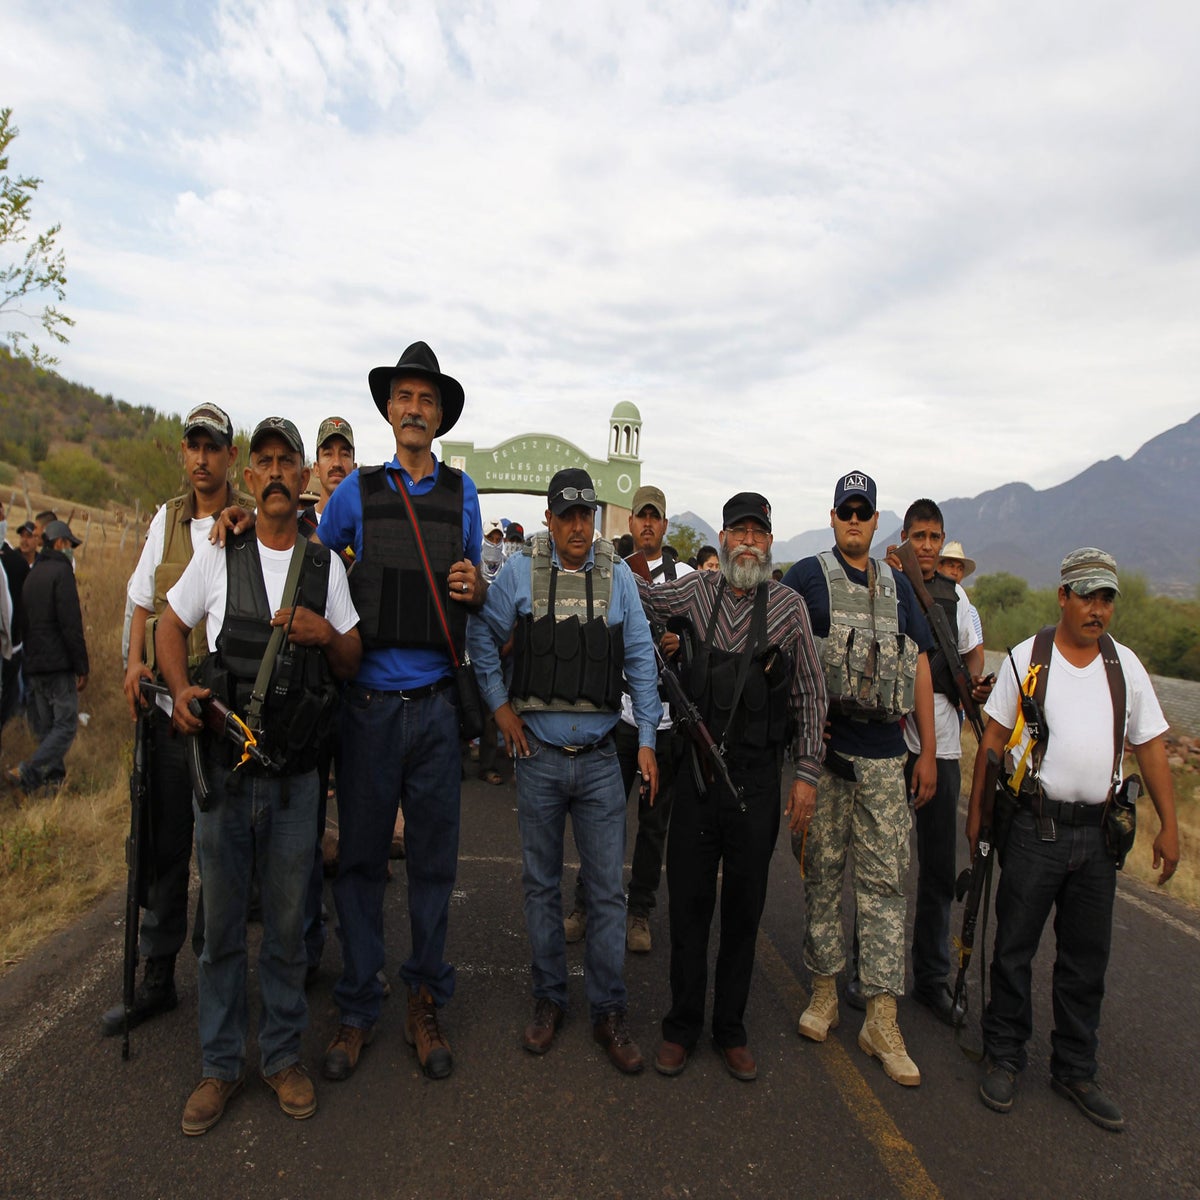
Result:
pixel 200 592
pixel 681 569
pixel 141 583
pixel 1079 716
pixel 946 721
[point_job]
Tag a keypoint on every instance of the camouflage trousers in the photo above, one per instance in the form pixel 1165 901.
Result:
pixel 870 818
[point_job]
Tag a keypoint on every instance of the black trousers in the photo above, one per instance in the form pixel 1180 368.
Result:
pixel 707 830
pixel 937 837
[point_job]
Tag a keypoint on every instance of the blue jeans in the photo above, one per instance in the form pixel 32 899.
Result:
pixel 1074 875
pixel 53 714
pixel 551 784
pixel 395 752
pixel 264 823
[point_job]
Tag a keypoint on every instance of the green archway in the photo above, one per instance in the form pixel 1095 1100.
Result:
pixel 526 463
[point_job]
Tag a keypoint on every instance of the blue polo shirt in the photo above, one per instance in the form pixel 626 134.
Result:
pixel 393 669
pixel 860 739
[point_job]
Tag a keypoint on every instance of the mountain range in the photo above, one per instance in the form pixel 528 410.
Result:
pixel 1144 510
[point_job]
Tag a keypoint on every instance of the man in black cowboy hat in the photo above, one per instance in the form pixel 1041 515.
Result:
pixel 412 522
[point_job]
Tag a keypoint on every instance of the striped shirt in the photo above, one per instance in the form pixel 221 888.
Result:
pixel 694 597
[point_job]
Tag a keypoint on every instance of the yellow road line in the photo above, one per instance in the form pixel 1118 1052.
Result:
pixel 896 1152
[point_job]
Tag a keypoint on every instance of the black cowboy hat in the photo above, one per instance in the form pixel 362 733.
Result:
pixel 420 361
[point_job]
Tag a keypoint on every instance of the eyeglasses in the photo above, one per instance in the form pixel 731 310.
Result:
pixel 569 494
pixel 864 512
pixel 749 533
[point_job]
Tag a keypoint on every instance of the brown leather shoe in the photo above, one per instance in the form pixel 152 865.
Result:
pixel 422 1033
pixel 739 1062
pixel 206 1104
pixel 342 1055
pixel 547 1020
pixel 613 1034
pixel 295 1091
pixel 671 1058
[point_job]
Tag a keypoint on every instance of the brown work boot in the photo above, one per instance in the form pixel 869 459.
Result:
pixel 821 1015
pixel 547 1020
pixel 342 1055
pixel 422 1033
pixel 575 925
pixel 880 1037
pixel 637 934
pixel 295 1091
pixel 613 1034
pixel 207 1103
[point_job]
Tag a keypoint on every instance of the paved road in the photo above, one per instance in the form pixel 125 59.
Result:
pixel 76 1121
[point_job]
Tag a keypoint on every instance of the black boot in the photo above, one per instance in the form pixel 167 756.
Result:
pixel 154 995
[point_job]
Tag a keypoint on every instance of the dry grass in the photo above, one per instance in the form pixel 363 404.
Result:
pixel 57 854
pixel 1185 884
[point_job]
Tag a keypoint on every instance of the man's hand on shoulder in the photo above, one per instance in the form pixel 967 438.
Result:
pixel 230 521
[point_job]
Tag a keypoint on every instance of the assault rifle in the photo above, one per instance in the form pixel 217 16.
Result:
pixel 946 638
pixel 686 717
pixel 137 846
pixel 974 883
pixel 226 724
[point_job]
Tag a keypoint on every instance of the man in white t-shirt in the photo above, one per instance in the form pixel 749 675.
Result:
pixel 1055 855
pixel 178 529
pixel 648 527
pixel 258 819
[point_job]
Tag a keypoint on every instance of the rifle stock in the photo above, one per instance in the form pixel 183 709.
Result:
pixel 945 636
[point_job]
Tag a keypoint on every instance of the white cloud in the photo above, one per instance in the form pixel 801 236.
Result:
pixel 952 244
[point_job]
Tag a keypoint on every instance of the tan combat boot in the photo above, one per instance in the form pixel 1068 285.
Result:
pixel 880 1037
pixel 821 1015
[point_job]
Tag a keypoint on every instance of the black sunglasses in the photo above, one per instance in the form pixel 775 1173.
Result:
pixel 864 512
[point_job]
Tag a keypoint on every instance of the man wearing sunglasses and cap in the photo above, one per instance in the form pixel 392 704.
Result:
pixel 873 639
pixel 179 528
pixel 573 611
pixel 413 525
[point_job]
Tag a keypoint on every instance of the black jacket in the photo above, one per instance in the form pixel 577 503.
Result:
pixel 53 624
pixel 16 568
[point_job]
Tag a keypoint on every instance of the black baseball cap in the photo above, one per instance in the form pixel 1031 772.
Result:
pixel 281 427
pixel 855 483
pixel 747 505
pixel 571 488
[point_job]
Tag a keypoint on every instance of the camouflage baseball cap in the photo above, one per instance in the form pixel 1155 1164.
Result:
pixel 1088 570
pixel 282 427
pixel 211 418
pixel 335 427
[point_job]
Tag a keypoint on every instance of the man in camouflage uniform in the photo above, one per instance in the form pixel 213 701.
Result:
pixel 858 607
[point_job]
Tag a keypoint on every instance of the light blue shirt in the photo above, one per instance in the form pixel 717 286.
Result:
pixel 396 669
pixel 510 597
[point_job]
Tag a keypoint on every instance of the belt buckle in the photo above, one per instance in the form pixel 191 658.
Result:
pixel 572 751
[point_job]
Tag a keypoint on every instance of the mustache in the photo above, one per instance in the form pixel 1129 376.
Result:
pixel 272 488
pixel 415 421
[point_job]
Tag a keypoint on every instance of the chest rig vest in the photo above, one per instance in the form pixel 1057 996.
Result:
pixel 566 656
pixel 177 553
pixel 945 595
pixel 388 583
pixel 743 694
pixel 870 666
pixel 301 697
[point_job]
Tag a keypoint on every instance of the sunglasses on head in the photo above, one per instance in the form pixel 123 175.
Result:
pixel 569 494
pixel 864 512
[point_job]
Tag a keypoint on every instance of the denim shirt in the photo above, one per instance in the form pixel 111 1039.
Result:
pixel 510 597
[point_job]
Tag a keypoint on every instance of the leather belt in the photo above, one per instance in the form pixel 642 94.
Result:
pixel 577 751
pixel 1068 812
pixel 430 689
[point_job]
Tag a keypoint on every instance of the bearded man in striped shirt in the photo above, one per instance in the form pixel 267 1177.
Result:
pixel 755 676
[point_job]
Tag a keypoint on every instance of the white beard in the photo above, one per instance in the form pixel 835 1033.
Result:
pixel 743 573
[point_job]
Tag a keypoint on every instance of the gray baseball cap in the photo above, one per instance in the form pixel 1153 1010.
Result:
pixel 211 418
pixel 1088 570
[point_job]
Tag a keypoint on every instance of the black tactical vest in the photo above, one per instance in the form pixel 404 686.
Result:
pixel 388 582
pixel 302 696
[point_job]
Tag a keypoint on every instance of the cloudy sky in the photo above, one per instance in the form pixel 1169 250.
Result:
pixel 950 243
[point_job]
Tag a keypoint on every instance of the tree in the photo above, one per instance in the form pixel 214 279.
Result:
pixel 684 540
pixel 38 271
